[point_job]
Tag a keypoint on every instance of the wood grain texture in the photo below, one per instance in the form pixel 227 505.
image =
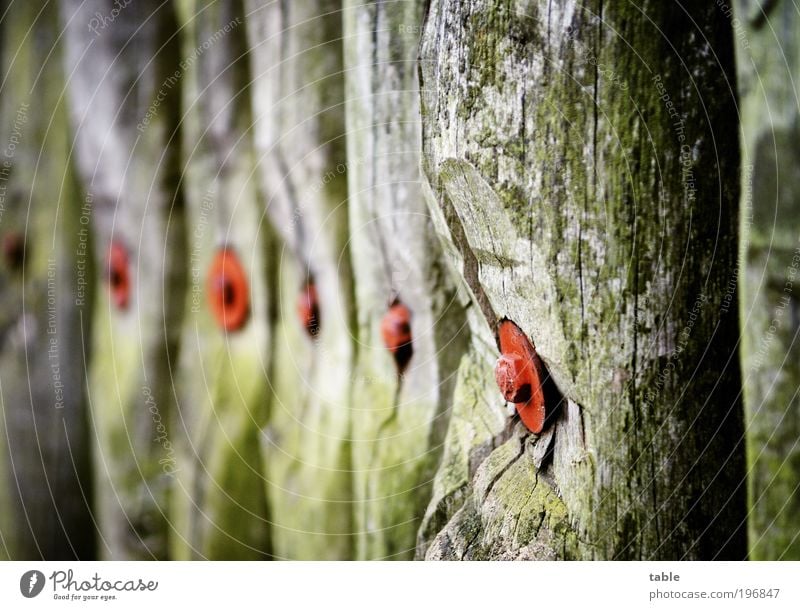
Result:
pixel 568 200
pixel 219 503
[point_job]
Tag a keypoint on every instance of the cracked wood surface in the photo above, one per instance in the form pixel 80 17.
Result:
pixel 559 193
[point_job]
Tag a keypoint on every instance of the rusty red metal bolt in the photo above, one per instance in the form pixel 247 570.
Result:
pixel 228 292
pixel 396 332
pixel 308 308
pixel 512 378
pixel 119 280
pixel 519 373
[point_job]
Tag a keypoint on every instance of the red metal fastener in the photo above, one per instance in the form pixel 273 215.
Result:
pixel 519 374
pixel 511 377
pixel 308 308
pixel 396 331
pixel 228 293
pixel 119 279
pixel 14 249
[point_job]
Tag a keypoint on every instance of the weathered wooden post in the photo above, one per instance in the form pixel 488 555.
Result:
pixel 401 402
pixel 45 314
pixel 582 161
pixel 769 69
pixel 298 124
pixel 219 501
pixel 124 101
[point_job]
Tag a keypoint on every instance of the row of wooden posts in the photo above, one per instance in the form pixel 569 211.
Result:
pixel 261 259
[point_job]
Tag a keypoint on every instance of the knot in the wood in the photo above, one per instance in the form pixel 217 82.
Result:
pixel 512 379
pixel 396 331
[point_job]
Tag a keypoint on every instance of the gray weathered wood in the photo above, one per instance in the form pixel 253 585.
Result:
pixel 298 126
pixel 218 501
pixel 124 112
pixel 557 186
pixel 398 423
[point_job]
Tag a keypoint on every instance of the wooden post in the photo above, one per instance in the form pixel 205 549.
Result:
pixel 582 161
pixel 123 95
pixel 46 282
pixel 400 413
pixel 298 125
pixel 219 500
pixel 769 68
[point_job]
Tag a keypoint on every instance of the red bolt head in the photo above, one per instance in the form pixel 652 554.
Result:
pixel 396 331
pixel 228 293
pixel 512 378
pixel 519 375
pixel 308 308
pixel 119 280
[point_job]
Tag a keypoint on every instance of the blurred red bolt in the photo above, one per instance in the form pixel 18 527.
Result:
pixel 396 331
pixel 14 249
pixel 308 308
pixel 228 293
pixel 119 280
pixel 519 374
